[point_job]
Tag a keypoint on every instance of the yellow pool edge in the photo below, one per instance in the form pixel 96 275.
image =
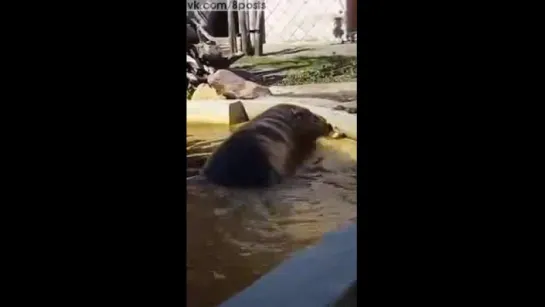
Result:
pixel 217 112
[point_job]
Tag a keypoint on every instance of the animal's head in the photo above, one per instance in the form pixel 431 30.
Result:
pixel 309 124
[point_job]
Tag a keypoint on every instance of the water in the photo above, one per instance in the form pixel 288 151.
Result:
pixel 234 236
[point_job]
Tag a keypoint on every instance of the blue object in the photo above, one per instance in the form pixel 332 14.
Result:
pixel 315 277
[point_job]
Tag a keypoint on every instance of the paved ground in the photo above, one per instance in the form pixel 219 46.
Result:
pixel 301 49
pixel 305 49
pixel 345 93
pixel 280 59
pixel 343 96
pixel 322 88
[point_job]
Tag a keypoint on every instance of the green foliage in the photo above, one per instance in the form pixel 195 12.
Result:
pixel 338 69
pixel 304 70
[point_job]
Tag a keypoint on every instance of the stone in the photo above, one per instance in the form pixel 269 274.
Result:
pixel 205 92
pixel 211 55
pixel 353 110
pixel 348 109
pixel 209 50
pixel 233 86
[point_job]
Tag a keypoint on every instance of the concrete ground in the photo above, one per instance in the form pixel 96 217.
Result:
pixel 344 94
pixel 279 60
pixel 287 50
pixel 306 49
pixel 317 89
pixel 339 96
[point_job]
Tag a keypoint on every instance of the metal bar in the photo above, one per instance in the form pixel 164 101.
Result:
pixel 231 22
pixel 262 29
pixel 243 29
pixel 258 42
pixel 251 28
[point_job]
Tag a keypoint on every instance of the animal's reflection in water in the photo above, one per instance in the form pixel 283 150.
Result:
pixel 236 236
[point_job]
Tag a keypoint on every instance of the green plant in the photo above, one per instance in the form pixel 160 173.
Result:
pixel 303 69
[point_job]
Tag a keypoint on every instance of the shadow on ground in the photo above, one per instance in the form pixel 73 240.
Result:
pixel 289 51
pixel 301 69
pixel 272 80
pixel 340 96
pixel 265 77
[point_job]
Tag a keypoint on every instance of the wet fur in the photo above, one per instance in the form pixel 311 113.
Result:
pixel 267 149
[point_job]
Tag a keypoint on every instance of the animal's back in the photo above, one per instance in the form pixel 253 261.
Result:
pixel 240 161
pixel 267 149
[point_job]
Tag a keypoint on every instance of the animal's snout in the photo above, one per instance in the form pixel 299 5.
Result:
pixel 334 133
pixel 329 129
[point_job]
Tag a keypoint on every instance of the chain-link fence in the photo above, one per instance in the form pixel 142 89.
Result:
pixel 288 21
pixel 304 20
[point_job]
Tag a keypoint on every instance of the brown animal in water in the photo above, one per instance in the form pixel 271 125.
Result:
pixel 266 149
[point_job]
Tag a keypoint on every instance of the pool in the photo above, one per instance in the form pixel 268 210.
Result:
pixel 236 236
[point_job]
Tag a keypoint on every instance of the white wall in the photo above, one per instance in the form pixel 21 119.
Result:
pixel 302 20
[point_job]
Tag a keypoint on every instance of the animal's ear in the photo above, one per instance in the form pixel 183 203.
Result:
pixel 297 113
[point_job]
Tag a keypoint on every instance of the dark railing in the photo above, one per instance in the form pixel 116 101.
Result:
pixel 324 275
